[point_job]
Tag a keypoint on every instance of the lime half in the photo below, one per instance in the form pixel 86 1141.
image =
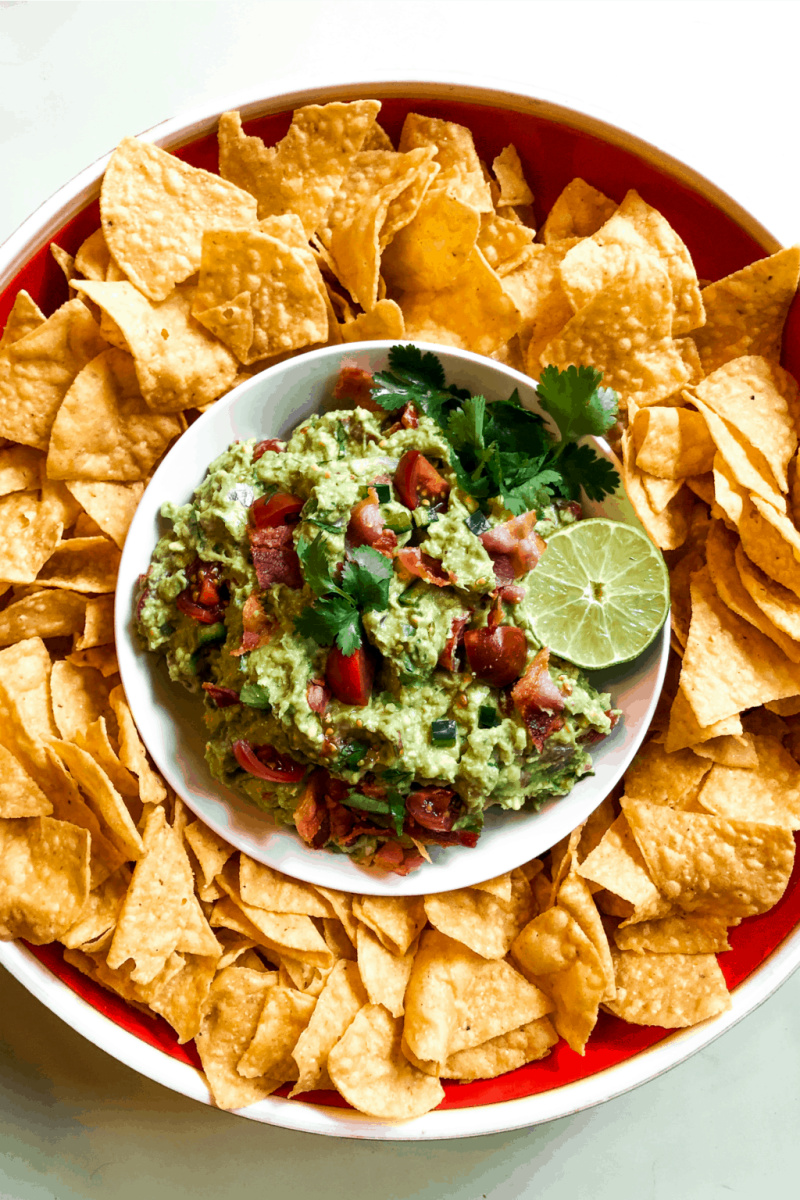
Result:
pixel 599 594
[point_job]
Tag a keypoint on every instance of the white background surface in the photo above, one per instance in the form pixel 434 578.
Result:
pixel 715 83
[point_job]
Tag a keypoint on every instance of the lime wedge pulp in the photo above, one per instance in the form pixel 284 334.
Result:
pixel 599 593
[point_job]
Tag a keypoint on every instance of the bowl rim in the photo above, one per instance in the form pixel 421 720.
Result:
pixel 461 868
pixel 15 251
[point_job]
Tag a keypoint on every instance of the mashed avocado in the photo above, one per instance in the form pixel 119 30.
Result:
pixel 433 743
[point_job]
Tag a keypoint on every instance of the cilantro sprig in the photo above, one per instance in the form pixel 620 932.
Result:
pixel 363 586
pixel 503 449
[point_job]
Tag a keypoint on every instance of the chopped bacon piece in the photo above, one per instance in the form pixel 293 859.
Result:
pixel 390 856
pixel 367 527
pixel 274 556
pixel 496 654
pixel 431 837
pixel 512 593
pixel 317 695
pixel 355 384
pixel 514 547
pixel 538 700
pixel 433 808
pixel 448 658
pixel 414 562
pixel 311 818
pixel 274 444
pixel 256 627
pixel 223 697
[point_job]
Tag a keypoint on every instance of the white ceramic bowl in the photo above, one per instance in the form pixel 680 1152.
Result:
pixel 170 718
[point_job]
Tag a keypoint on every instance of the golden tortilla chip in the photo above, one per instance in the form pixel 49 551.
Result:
pixel 98 628
pixel 680 595
pixel 304 171
pixel 236 998
pixel 131 751
pixel 685 730
pixel 729 665
pixel 429 254
pixel 79 697
pixel 103 798
pixel 460 171
pixel 508 172
pixel 474 313
pixel 155 208
pixel 43 614
pixel 336 939
pixel 663 778
pixel 497 1000
pixel 771 541
pixel 110 505
pixel 579 211
pixel 729 751
pixel 95 741
pixel 93 257
pixel 385 322
pixel 211 851
pixel 184 998
pixel 99 913
pixel 396 920
pixel 481 921
pixel 503 243
pixel 770 793
pixel 99 658
pixel 746 464
pixel 82 565
pixel 780 606
pixel 337 1005
pixel 104 430
pixel 501 886
pixel 65 261
pixel 25 316
pixel 384 975
pixel 45 878
pixel 674 935
pixel 536 289
pixel 670 990
pixel 710 864
pixel 672 443
pixel 37 370
pixel 442 973
pixel 19 794
pixel 368 1068
pixel 669 528
pixel 553 952
pixel 575 897
pixel 264 887
pixel 69 805
pixel 290 935
pixel 178 363
pixel 283 1018
pixel 26 719
pixel 505 1053
pixel 20 469
pixel 617 865
pixel 746 311
pixel 29 533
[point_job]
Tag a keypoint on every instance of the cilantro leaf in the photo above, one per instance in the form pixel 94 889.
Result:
pixel 316 565
pixel 397 809
pixel 576 402
pixel 332 619
pixel 418 378
pixel 580 468
pixel 365 578
pixel 465 425
pixel 366 803
pixel 535 491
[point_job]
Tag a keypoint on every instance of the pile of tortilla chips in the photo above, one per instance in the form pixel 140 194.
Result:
pixel 194 282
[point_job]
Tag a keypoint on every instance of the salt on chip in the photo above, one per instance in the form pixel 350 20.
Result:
pixel 770 793
pixel 746 311
pixel 553 952
pixel 670 990
pixel 684 934
pixel 283 1018
pixel 508 172
pixel 395 920
pixel 179 364
pixel 711 864
pixel 236 998
pixel 104 430
pixel 497 1000
pixel 626 331
pixel 304 171
pixel 19 794
pixel 729 665
pixel 155 208
pixel 672 443
pixel 45 877
pixel 384 322
pixel 131 751
pixel 504 1053
pixel 110 505
pixel 37 370
pixel 264 887
pixel 428 255
pixel 474 313
pixel 442 973
pixel 339 1001
pixel 25 316
pixel 460 171
pixel 82 565
pixel 20 469
pixel 42 614
pixel 617 865
pixel 579 211
pixel 481 921
pixel 103 798
pixel 779 605
pixel 384 975
pixel 29 533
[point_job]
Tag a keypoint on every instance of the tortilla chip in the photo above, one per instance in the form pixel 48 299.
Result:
pixel 669 528
pixel 42 614
pixel 211 851
pixel 384 322
pixel 384 975
pixel 746 311
pixel 152 918
pixel 579 211
pixel 25 316
pixel 264 887
pixel 780 606
pixel 497 1000
pixel 337 940
pixel 20 469
pixel 236 998
pixel 442 973
pixel 110 505
pixel 729 751
pixel 508 172
pixel 429 254
pixel 729 665
pixel 78 696
pixel 501 886
pixel 474 313
pixel 290 935
pixel 710 864
pixel 663 778
pixel 396 920
pixel 82 565
pixel 178 363
pixel 553 952
pixel 670 990
pixel 95 741
pixel 131 751
pixel 184 998
pixel 155 209
pixel 304 171
pixel 460 171
pixel 19 794
pixel 503 243
pixel 69 805
pixel 702 486
pixel 674 935
pixel 93 257
pixel 747 465
pixel 685 730
pixel 103 798
pixel 536 289
pixel 617 865
pixel 495 1057
pixel 672 443
pixel 37 370
pixel 100 912
pixel 771 541
pixel 769 794
pixel 337 1005
pixel 98 628
pixel 575 897
pixel 481 921
pixel 285 1015
pixel 45 877
pixel 342 905
pixel 29 534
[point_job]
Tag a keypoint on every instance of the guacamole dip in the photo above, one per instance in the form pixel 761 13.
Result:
pixel 358 626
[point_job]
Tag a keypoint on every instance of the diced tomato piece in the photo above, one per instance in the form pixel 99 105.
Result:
pixel 274 444
pixel 355 384
pixel 223 697
pixel 266 763
pixel 350 676
pixel 201 598
pixel 497 656
pixel 280 509
pixel 448 659
pixel 367 527
pixel 433 808
pixel 417 481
